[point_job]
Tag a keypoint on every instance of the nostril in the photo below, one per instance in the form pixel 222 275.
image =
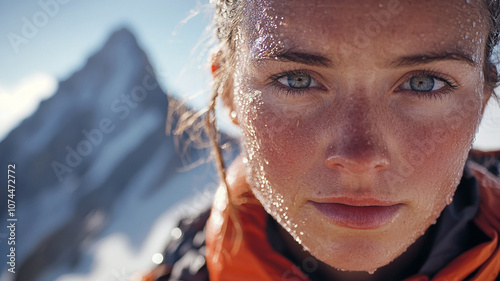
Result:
pixel 356 166
pixel 332 163
pixel 381 164
pixel 344 165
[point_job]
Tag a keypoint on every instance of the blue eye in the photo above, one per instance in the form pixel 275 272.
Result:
pixel 423 83
pixel 298 81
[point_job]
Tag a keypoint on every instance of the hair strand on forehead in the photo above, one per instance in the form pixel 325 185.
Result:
pixel 491 76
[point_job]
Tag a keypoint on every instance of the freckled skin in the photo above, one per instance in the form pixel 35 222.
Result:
pixel 358 134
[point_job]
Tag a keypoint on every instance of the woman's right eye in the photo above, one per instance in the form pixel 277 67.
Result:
pixel 297 80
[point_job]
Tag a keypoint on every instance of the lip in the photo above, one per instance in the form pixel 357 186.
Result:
pixel 358 213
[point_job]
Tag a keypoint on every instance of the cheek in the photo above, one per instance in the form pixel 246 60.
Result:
pixel 285 137
pixel 279 142
pixel 431 152
pixel 281 148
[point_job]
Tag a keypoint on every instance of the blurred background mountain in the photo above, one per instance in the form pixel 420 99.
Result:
pixel 94 166
pixel 83 115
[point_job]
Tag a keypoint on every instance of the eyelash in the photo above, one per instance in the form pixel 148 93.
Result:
pixel 450 86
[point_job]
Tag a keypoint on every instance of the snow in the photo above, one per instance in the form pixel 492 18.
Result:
pixel 116 257
pixel 22 100
pixel 488 136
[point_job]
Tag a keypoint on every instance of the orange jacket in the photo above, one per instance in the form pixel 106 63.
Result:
pixel 255 259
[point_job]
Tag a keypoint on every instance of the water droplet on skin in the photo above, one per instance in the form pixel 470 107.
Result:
pixel 449 199
pixel 371 272
pixel 467 1
pixel 473 24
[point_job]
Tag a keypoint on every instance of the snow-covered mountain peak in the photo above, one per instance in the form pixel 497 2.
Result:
pixel 94 161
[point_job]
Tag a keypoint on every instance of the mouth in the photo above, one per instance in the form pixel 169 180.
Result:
pixel 358 213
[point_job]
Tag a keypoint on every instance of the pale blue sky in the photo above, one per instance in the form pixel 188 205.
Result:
pixel 78 28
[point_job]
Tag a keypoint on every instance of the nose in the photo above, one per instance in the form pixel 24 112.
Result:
pixel 357 146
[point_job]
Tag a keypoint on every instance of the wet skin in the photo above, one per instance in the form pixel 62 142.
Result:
pixel 356 129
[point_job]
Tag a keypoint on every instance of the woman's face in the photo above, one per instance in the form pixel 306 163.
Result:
pixel 357 118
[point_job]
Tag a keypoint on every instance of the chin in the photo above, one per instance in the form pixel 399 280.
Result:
pixel 358 253
pixel 361 255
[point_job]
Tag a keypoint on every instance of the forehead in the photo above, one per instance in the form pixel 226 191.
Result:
pixel 350 25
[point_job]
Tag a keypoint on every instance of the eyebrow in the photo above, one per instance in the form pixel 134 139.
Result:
pixel 432 57
pixel 297 57
pixel 406 61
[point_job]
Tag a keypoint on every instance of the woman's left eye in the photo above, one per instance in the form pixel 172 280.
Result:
pixel 423 83
pixel 298 81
